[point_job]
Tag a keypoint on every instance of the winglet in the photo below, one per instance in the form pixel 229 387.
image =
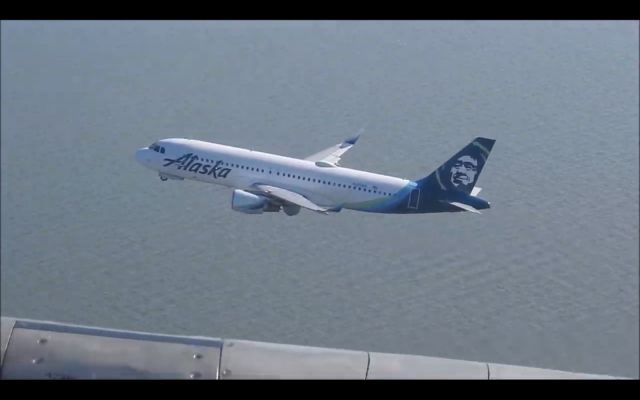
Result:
pixel 350 141
pixel 331 156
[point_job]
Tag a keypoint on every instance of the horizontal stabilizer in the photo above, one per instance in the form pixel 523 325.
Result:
pixel 463 206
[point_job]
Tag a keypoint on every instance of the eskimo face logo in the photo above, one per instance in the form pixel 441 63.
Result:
pixel 186 162
pixel 464 171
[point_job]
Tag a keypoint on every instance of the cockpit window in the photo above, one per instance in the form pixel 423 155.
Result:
pixel 162 150
pixel 156 148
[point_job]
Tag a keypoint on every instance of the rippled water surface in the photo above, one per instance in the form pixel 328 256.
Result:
pixel 548 277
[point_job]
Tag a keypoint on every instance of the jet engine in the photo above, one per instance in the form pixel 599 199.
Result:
pixel 291 209
pixel 247 202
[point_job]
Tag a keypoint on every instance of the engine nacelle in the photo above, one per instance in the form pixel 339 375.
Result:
pixel 291 209
pixel 248 203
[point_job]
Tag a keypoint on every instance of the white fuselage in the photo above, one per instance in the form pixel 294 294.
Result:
pixel 242 168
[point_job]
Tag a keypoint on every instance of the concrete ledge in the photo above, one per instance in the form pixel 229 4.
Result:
pixel 50 350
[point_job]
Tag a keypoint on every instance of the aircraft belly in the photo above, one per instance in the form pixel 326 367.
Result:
pixel 173 172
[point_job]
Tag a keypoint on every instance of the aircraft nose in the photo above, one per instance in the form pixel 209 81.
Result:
pixel 142 155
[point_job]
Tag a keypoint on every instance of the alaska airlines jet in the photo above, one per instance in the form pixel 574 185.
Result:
pixel 264 182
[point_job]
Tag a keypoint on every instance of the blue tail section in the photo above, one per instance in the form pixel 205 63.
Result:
pixel 447 189
pixel 461 172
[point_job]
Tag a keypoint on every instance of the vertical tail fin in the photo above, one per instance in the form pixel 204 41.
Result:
pixel 461 172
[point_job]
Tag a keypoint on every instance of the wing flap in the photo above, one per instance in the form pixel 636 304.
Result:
pixel 291 197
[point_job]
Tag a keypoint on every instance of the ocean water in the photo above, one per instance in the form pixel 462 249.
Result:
pixel 548 277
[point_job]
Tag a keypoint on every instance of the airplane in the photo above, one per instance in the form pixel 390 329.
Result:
pixel 264 182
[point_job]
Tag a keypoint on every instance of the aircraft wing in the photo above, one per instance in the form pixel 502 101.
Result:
pixel 331 155
pixel 291 197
